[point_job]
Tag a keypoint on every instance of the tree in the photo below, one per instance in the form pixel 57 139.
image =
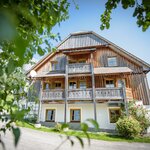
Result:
pixel 141 12
pixel 25 25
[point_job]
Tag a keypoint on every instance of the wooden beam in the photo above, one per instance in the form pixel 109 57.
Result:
pixel 147 90
pixel 66 91
pixel 93 88
pixel 40 104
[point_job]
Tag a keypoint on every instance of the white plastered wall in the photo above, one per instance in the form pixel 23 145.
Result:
pixel 59 113
pixel 87 111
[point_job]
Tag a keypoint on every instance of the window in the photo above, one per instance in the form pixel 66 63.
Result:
pixel 54 66
pixel 50 115
pixel 110 84
pixel 82 85
pixel 112 61
pixel 57 85
pixel 120 84
pixel 114 114
pixel 72 85
pixel 75 115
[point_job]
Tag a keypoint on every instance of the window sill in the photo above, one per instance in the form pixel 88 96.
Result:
pixel 49 121
pixel 75 121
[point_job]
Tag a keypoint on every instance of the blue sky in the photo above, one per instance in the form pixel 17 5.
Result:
pixel 123 30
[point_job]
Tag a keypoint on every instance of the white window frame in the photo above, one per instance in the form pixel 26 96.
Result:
pixel 110 61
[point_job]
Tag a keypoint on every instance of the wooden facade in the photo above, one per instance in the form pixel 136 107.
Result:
pixel 73 64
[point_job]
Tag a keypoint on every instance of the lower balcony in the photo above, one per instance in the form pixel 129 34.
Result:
pixel 80 94
pixel 57 94
pixel 109 93
pixel 84 94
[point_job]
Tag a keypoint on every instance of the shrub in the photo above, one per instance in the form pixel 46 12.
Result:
pixel 31 118
pixel 60 127
pixel 128 127
pixel 140 114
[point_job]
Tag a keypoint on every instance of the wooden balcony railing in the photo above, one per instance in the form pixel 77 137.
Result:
pixel 80 94
pixel 83 94
pixel 57 94
pixel 109 93
pixel 79 68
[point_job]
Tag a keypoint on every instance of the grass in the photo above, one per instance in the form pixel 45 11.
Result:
pixel 92 135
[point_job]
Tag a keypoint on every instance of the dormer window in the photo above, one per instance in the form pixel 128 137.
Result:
pixel 112 61
pixel 54 65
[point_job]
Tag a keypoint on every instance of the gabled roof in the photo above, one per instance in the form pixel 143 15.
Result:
pixel 81 39
pixel 90 39
pixel 40 62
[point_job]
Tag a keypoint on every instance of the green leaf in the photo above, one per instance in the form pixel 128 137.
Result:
pixel 107 25
pixel 64 125
pixel 81 141
pixel 16 133
pixel 88 137
pixel 94 123
pixel 84 127
pixel 40 51
pixel 72 142
pixel 11 66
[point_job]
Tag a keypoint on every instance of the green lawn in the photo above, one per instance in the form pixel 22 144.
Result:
pixel 97 136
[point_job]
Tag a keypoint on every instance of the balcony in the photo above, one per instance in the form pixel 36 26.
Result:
pixel 84 94
pixel 80 94
pixel 109 93
pixel 79 68
pixel 57 94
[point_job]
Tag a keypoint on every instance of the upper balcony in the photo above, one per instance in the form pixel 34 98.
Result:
pixel 79 68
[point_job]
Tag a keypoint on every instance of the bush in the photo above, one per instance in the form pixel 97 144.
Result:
pixel 60 127
pixel 140 114
pixel 128 127
pixel 31 118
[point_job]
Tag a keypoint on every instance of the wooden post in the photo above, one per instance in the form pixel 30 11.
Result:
pixel 147 89
pixel 93 88
pixel 125 98
pixel 39 107
pixel 66 91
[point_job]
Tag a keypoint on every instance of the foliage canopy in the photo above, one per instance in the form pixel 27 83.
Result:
pixel 141 12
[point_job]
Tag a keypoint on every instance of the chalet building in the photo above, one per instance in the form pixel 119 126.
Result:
pixel 88 77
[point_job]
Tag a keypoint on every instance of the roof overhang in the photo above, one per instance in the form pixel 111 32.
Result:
pixel 112 70
pixel 85 50
pixel 49 75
